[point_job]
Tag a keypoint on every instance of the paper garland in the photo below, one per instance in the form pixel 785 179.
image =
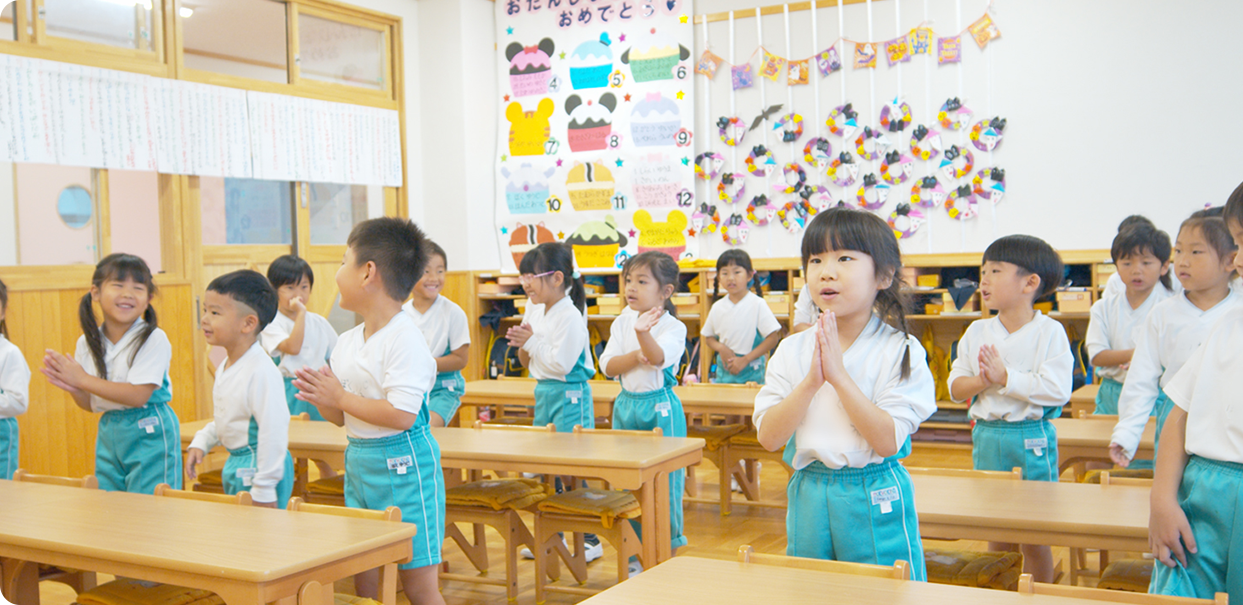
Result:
pixel 734 230
pixel 957 162
pixel 794 215
pixel 865 55
pixel 953 115
pixel 984 31
pixel 878 142
pixel 706 219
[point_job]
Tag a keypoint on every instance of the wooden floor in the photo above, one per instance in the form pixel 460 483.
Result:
pixel 709 534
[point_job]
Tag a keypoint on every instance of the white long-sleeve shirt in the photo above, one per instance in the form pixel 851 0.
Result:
pixel 394 364
pixel 1113 325
pixel 251 388
pixel 805 311
pixel 736 324
pixel 558 339
pixel 444 325
pixel 1174 330
pixel 318 339
pixel 1038 363
pixel 670 335
pixel 150 365
pixel 1207 388
pixel 14 380
pixel 874 362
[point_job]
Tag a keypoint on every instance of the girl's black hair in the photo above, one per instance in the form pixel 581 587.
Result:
pixel 1214 230
pixel 664 269
pixel 1233 210
pixel 289 270
pixel 4 305
pixel 844 228
pixel 734 256
pixel 556 256
pixel 434 249
pixel 116 267
pixel 1140 239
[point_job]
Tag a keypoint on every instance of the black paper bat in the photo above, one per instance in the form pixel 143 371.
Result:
pixel 764 115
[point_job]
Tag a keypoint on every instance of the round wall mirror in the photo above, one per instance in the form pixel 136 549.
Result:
pixel 74 206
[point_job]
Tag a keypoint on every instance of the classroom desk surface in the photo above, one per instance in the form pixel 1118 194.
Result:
pixel 1084 398
pixel 632 462
pixel 1080 440
pixel 1083 515
pixel 247 555
pixel 690 579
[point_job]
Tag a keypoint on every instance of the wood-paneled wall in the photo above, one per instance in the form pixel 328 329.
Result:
pixel 57 437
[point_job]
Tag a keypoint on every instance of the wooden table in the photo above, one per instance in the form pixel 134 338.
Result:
pixel 1113 517
pixel 696 399
pixel 1084 398
pixel 1083 440
pixel 690 579
pixel 247 555
pixel 638 463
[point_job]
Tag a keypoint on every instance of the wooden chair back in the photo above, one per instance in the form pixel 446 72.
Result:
pixel 391 513
pixel 1107 479
pixel 898 571
pixel 88 482
pixel 166 490
pixel 1086 415
pixel 656 432
pixel 1027 586
pixel 302 416
pixel 480 425
pixel 1016 473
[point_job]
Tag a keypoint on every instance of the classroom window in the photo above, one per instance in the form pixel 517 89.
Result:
pixel 48 215
pixel 8 21
pixel 244 38
pixel 246 211
pixel 134 215
pixel 336 208
pixel 119 23
pixel 331 51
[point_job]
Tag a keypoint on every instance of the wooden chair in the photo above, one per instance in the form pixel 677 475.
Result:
pixel 1015 474
pixel 550 549
pixel 741 461
pixel 900 570
pixel 87 482
pixel 1028 586
pixel 388 573
pixel 506 522
pixel 79 581
pixel 1078 556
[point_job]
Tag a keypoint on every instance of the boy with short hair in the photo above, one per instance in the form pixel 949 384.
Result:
pixel 381 373
pixel 250 418
pixel 296 338
pixel 1017 366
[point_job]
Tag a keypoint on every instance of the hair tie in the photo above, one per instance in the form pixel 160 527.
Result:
pixel 575 274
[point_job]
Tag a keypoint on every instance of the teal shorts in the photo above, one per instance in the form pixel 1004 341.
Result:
pixel 138 449
pixel 1160 410
pixel 644 412
pixel 860 515
pixel 998 445
pixel 298 406
pixel 564 404
pixel 240 467
pixel 1107 397
pixel 754 372
pixel 446 396
pixel 1211 495
pixel 9 445
pixel 401 470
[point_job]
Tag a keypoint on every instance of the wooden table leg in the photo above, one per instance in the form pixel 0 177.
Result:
pixel 300 477
pixel 650 519
pixel 662 518
pixel 20 581
pixel 388 584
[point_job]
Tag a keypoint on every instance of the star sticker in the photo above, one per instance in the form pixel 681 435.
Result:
pixel 619 162
pixel 633 233
pixel 506 97
pixel 510 30
pixel 627 98
pixel 504 230
pixel 691 232
pixel 680 95
pixel 621 38
pixel 558 163
pixel 563 55
pixel 686 161
pixel 560 235
pixel 681 19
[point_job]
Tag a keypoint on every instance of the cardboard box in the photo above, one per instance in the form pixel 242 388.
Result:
pixel 778 302
pixel 684 299
pixel 929 280
pixel 509 280
pixel 797 283
pixel 493 288
pixel 948 307
pixel 933 308
pixel 1074 301
pixel 610 305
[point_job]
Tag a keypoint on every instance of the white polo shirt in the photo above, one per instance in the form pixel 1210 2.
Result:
pixel 443 326
pixel 1038 364
pixel 150 365
pixel 14 380
pixel 1208 387
pixel 735 324
pixel 318 339
pixel 393 365
pixel 670 335
pixel 1113 325
pixel 558 339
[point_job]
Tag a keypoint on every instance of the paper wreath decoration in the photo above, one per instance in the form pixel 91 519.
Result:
pixel 961 204
pixel 706 218
pixel 953 114
pixel 925 143
pixel 794 215
pixel 927 192
pixel 818 152
pixel 877 138
pixel 986 134
pixel 843 170
pixel 896 168
pixel 728 180
pixel 714 165
pixel 731 130
pixel 791 127
pixel 757 167
pixel 843 121
pixel 957 162
pixel 895 116
pixel 989 184
pixel 905 221
pixel 817 197
pixel 760 211
pixel 734 230
pixel 871 194
pixel 786 186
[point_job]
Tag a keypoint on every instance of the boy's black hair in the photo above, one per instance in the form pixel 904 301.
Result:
pixel 739 258
pixel 1213 230
pixel 1233 211
pixel 1210 212
pixel 556 256
pixel 1031 255
pixel 434 249
pixel 251 289
pixel 1140 239
pixel 289 270
pixel 4 306
pixel 397 247
pixel 1135 219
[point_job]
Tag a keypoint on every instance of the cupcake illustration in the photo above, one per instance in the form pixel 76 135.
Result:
pixel 525 237
pixel 596 243
pixel 655 120
pixel 590 63
pixel 591 186
pixel 653 56
pixel 530 67
pixel 590 122
pixel 527 189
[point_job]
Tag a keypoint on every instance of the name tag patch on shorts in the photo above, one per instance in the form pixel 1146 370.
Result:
pixel 883 497
pixel 148 424
pixel 448 384
pixel 573 396
pixel 247 475
pixel 400 464
pixel 1036 445
pixel 663 407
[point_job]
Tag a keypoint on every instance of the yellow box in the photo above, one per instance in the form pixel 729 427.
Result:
pixel 684 299
pixel 1074 301
pixel 778 302
pixel 1045 307
pixel 610 305
pixel 948 307
pixel 933 308
pixel 521 304
pixel 685 310
pixel 930 280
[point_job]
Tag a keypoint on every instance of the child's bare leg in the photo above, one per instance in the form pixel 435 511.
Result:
pixel 435 420
pixel 422 585
pixel 367 584
pixel 325 470
pixel 1038 561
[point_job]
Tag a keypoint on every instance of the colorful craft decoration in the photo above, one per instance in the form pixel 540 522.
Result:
pixel 878 142
pixel 897 167
pixel 843 170
pixel 986 134
pixel 734 230
pixel 818 152
pixel 905 221
pixel 871 194
pixel 957 162
pixel 714 165
pixel 984 30
pixel 953 114
pixel 797 72
pixel 706 218
pixel 817 197
pixel 828 61
pixel 760 211
pixel 989 184
pixel 741 76
pixel 895 116
pixel 843 121
pixel 760 162
pixel 925 143
pixel 731 130
pixel 728 180
pixel 949 50
pixel 708 64
pixel 927 192
pixel 961 204
pixel 791 127
pixel 865 55
pixel 794 215
pixel 791 187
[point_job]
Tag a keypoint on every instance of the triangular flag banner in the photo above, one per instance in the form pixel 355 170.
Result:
pixel 797 72
pixel 708 64
pixel 984 30
pixel 828 60
pixel 920 41
pixel 897 51
pixel 949 50
pixel 771 66
pixel 742 76
pixel 865 55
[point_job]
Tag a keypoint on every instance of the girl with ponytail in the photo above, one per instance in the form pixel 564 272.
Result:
pixel 120 368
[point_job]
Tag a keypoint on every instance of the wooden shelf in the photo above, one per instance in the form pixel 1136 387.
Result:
pixel 502 296
pixel 954 426
pixel 947 316
pixel 950 405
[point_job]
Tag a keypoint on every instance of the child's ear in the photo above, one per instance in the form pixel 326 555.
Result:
pixel 94 293
pixel 1032 283
pixel 885 281
pixel 668 290
pixel 250 323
